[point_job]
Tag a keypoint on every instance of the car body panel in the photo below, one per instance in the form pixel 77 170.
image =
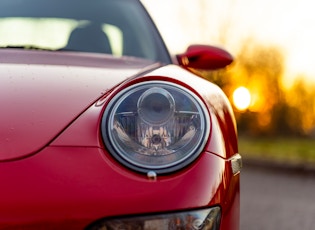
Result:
pixel 40 100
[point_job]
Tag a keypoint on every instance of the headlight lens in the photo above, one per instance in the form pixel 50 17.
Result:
pixel 155 126
pixel 207 219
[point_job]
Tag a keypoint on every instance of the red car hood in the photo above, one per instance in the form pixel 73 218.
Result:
pixel 42 92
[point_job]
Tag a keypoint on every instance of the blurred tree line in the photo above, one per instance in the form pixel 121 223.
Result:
pixel 275 109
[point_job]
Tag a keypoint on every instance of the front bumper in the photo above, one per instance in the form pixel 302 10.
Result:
pixel 72 187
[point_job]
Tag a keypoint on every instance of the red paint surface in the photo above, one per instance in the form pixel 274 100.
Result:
pixel 38 101
pixel 205 57
pixel 77 185
pixel 68 179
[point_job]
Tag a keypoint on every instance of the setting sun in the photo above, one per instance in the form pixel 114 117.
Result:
pixel 241 98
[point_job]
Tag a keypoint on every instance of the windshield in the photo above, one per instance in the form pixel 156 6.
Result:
pixel 117 27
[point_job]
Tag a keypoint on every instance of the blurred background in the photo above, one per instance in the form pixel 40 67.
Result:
pixel 271 86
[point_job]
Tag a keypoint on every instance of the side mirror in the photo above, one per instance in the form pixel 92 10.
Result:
pixel 204 57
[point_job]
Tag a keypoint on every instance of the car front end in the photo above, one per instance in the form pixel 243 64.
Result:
pixel 101 141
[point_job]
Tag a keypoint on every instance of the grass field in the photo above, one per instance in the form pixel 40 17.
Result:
pixel 293 150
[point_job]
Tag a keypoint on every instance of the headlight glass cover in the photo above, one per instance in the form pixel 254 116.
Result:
pixel 155 126
pixel 206 219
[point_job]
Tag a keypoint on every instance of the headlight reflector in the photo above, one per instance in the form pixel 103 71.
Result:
pixel 207 219
pixel 155 126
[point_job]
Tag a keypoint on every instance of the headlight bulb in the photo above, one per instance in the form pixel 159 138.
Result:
pixel 156 106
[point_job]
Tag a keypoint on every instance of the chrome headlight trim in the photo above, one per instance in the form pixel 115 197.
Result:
pixel 155 126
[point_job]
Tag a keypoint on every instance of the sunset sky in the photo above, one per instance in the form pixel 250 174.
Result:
pixel 287 24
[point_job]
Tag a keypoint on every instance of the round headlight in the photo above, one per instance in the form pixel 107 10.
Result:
pixel 155 126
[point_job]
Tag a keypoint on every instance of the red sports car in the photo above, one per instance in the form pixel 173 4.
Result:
pixel 101 128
